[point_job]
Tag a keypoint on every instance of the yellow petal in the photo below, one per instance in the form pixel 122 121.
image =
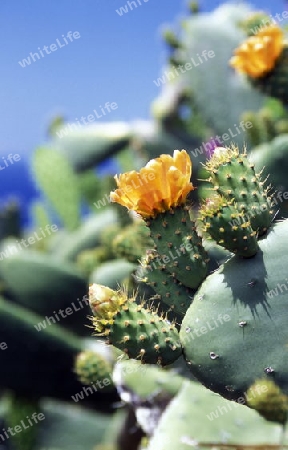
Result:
pixel 258 55
pixel 163 183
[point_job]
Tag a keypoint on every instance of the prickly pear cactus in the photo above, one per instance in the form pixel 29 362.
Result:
pixel 233 331
pixel 241 311
pixel 182 288
pixel 266 69
pixel 204 420
pixel 206 43
pixel 138 331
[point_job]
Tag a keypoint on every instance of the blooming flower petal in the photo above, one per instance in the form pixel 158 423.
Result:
pixel 258 55
pixel 162 184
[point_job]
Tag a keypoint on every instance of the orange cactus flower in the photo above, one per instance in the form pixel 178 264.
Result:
pixel 162 184
pixel 257 55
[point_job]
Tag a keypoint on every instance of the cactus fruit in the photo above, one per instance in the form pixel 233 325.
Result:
pixel 264 126
pixel 139 332
pixel 268 400
pixel 233 176
pixel 91 366
pixel 222 320
pixel 240 309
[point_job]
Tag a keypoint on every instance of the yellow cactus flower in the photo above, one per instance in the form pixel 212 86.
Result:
pixel 162 184
pixel 257 56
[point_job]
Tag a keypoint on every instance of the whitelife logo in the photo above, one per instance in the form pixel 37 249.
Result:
pixel 182 68
pixel 24 425
pixel 52 47
pixel 13 249
pixel 129 7
pixel 86 120
pixel 9 160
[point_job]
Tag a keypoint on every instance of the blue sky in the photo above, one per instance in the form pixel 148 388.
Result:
pixel 116 59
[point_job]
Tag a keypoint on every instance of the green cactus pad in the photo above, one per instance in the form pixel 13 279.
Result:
pixel 19 408
pixel 88 260
pixel 137 331
pixel 179 246
pixel 112 273
pixel 235 331
pixel 273 156
pixel 233 176
pixel 218 94
pixel 59 183
pixel 84 147
pixel 31 355
pixel 143 335
pixel 46 286
pixel 197 418
pixel 87 236
pixel 264 126
pixel 167 288
pixel 228 227
pixel 146 380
